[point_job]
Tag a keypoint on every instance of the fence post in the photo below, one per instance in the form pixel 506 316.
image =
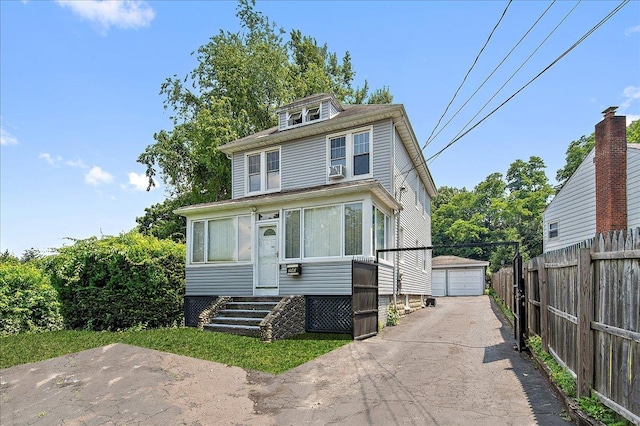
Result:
pixel 585 316
pixel 544 303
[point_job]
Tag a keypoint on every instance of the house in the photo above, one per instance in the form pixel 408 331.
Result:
pixel 457 276
pixel 604 192
pixel 328 184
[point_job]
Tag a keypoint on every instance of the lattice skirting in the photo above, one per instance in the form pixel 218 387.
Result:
pixel 328 314
pixel 193 307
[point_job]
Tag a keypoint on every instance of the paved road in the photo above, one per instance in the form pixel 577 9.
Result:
pixel 448 365
pixel 453 364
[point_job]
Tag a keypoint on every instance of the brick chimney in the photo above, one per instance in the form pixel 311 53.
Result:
pixel 611 172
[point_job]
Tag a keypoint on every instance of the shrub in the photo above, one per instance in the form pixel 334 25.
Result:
pixel 28 301
pixel 116 283
pixel 393 316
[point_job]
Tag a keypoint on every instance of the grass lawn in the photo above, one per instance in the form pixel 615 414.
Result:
pixel 240 351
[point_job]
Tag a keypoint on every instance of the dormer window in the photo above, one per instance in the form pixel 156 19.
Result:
pixel 312 114
pixel 295 118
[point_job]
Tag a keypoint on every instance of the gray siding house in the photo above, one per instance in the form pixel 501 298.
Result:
pixel 328 184
pixel 602 195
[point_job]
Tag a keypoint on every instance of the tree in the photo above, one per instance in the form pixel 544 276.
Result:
pixel 240 81
pixel 579 149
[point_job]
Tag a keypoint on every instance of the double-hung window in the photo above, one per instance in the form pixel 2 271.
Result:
pixel 221 240
pixel 263 171
pixel 379 231
pixel 352 150
pixel 553 230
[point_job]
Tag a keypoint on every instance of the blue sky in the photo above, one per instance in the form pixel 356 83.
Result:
pixel 80 91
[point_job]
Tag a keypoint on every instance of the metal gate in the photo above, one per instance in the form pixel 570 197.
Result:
pixel 364 282
pixel 520 315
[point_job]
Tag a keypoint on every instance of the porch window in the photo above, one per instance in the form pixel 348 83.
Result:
pixel 222 240
pixel 322 231
pixel 244 238
pixel 353 229
pixel 292 234
pixel 197 247
pixel 379 231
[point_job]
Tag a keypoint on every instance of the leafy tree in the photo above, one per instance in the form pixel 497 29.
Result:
pixel 240 81
pixel 579 149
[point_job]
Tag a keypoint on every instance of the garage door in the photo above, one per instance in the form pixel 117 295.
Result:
pixel 439 283
pixel 468 282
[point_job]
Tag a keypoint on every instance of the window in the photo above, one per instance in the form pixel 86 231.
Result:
pixel 312 114
pixel 322 231
pixel 353 229
pixel 329 231
pixel 292 234
pixel 352 150
pixel 338 151
pixel 361 153
pixel 379 230
pixel 222 240
pixel 197 248
pixel 263 171
pixel 294 119
pixel 553 230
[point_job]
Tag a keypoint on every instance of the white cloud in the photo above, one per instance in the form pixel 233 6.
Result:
pixel 96 176
pixel 6 138
pixel 631 118
pixel 49 159
pixel 631 30
pixel 105 14
pixel 630 95
pixel 77 163
pixel 139 182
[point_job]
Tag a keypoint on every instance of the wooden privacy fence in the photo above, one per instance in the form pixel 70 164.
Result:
pixel 502 284
pixel 584 303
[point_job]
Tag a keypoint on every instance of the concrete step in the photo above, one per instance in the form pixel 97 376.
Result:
pixel 236 320
pixel 275 299
pixel 244 330
pixel 252 305
pixel 244 313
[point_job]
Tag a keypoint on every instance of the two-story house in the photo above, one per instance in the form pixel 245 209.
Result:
pixel 328 184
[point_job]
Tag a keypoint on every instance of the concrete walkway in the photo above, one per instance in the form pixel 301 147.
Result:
pixel 448 365
pixel 453 364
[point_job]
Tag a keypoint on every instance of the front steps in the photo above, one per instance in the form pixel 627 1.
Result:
pixel 243 315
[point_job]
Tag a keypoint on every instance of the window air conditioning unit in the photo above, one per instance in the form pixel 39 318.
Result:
pixel 337 172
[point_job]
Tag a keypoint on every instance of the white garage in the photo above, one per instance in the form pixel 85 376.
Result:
pixel 457 276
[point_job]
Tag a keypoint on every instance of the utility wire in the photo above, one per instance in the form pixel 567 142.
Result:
pixel 584 37
pixel 471 68
pixel 490 75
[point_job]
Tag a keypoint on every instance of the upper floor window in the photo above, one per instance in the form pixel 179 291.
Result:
pixel 351 150
pixel 263 171
pixel 553 230
pixel 303 116
pixel 312 114
pixel 294 119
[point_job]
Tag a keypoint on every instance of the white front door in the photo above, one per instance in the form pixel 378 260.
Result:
pixel 267 273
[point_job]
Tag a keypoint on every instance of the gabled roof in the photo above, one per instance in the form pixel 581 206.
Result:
pixel 351 116
pixel 441 262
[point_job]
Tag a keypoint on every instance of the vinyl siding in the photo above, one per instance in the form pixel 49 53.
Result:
pixel 326 278
pixel 237 175
pixel 382 166
pixel 231 280
pixel 303 163
pixel 574 208
pixel 282 121
pixel 385 279
pixel 416 228
pixel 633 187
pixel 324 110
pixel 332 109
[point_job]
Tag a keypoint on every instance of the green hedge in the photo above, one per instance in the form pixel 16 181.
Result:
pixel 28 301
pixel 116 283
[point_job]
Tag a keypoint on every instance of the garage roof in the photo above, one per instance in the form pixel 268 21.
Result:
pixel 441 262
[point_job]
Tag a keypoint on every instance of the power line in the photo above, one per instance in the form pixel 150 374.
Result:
pixel 584 37
pixel 471 68
pixel 490 75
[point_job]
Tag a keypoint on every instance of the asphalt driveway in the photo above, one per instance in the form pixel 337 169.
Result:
pixel 452 364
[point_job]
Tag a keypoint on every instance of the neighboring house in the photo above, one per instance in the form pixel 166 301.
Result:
pixel 457 276
pixel 329 184
pixel 604 192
